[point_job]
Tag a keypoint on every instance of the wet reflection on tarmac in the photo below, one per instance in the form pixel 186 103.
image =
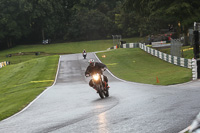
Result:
pixel 102 123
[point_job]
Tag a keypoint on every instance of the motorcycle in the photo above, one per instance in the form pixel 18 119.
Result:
pixel 98 81
pixel 84 55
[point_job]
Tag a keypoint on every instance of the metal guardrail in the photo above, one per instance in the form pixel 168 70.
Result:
pixel 169 58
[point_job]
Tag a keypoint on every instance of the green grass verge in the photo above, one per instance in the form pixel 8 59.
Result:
pixel 23 82
pixel 20 53
pixel 138 66
pixel 23 53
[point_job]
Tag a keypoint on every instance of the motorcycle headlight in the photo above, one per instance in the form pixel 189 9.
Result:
pixel 96 77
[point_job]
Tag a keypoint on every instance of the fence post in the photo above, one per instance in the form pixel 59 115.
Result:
pixel 194 69
pixel 196 47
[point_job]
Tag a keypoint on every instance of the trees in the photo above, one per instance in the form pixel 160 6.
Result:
pixel 31 21
pixel 183 13
pixel 157 13
pixel 48 19
pixel 91 20
pixel 88 24
pixel 13 24
pixel 141 10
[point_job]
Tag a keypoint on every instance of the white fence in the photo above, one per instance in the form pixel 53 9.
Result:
pixel 188 63
pixel 169 58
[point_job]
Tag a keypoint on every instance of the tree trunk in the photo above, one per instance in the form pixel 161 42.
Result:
pixel 43 38
pixel 141 33
pixel 9 42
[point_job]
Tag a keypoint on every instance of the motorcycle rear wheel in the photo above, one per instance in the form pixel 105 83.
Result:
pixel 100 91
pixel 106 93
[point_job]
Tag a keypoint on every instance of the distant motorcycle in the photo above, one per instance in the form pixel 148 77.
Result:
pixel 84 55
pixel 98 83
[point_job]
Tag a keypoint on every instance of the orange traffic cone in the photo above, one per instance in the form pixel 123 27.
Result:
pixel 157 80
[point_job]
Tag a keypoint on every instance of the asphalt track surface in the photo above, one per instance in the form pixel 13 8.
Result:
pixel 71 106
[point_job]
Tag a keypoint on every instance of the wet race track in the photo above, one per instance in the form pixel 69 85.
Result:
pixel 71 106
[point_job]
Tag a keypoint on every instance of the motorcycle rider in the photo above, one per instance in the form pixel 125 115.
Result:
pixel 84 53
pixel 96 67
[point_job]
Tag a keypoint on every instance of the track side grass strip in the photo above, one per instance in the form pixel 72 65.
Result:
pixel 23 53
pixel 138 66
pixel 23 82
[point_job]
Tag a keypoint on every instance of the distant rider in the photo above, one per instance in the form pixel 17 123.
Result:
pixel 84 53
pixel 96 67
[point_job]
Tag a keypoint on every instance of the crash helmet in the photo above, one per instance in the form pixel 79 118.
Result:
pixel 91 62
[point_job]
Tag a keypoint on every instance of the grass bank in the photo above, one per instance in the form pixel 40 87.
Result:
pixel 138 66
pixel 23 82
pixel 23 53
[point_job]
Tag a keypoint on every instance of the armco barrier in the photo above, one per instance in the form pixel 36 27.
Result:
pixel 127 45
pixel 2 64
pixel 188 63
pixel 169 58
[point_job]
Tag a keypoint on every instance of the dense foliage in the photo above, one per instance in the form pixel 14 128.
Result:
pixel 31 21
pixel 156 14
